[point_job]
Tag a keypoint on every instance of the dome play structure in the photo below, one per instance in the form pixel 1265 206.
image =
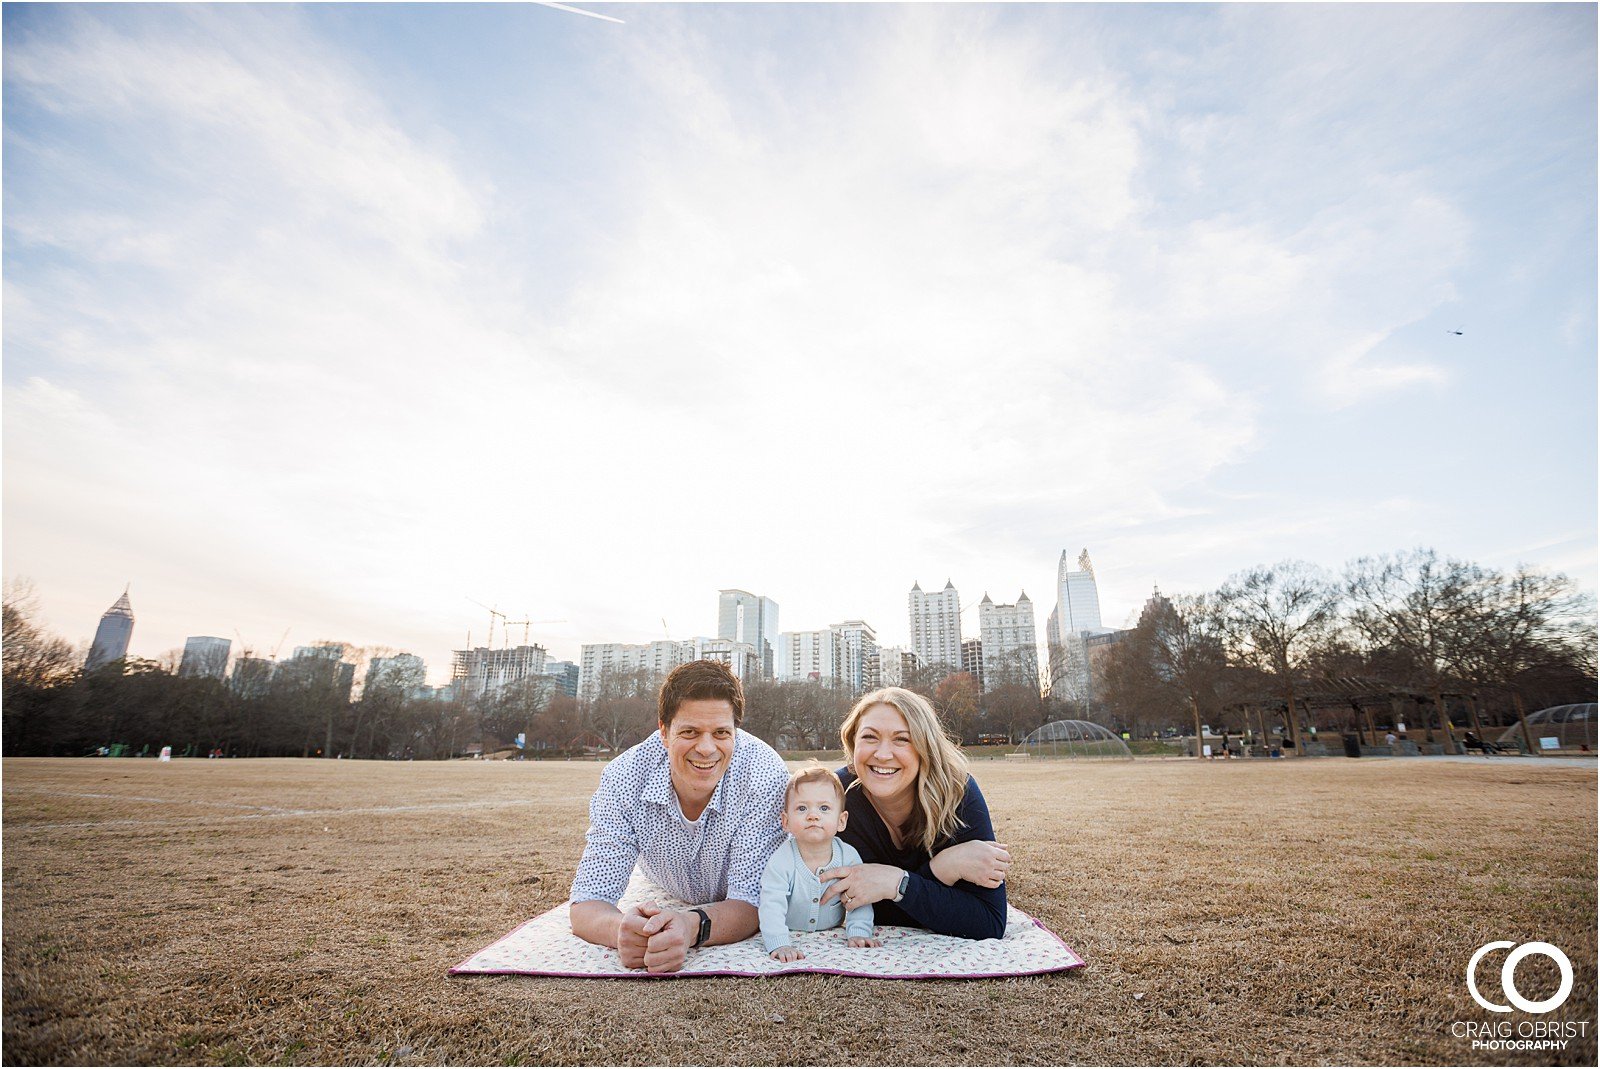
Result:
pixel 1573 725
pixel 1075 738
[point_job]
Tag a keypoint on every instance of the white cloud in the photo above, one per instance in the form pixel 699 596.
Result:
pixel 931 310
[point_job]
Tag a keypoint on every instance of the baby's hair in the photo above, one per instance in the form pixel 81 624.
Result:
pixel 814 774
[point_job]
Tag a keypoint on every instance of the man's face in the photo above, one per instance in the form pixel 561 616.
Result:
pixel 699 745
pixel 813 814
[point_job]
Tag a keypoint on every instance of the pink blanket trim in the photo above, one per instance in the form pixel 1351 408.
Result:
pixel 545 946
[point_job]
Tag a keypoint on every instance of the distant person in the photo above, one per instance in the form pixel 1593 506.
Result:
pixel 919 822
pixel 1390 739
pixel 697 807
pixel 792 886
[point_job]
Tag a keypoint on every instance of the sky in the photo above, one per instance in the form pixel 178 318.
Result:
pixel 327 322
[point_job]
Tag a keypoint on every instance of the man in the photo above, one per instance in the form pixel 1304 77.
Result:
pixel 696 805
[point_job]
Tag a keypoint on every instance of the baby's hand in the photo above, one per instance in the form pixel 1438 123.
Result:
pixel 788 953
pixel 859 941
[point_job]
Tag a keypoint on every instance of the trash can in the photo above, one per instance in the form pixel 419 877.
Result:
pixel 1352 745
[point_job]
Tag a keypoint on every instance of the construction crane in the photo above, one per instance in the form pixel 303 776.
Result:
pixel 279 646
pixel 509 624
pixel 493 612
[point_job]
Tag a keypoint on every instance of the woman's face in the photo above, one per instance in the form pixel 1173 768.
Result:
pixel 885 761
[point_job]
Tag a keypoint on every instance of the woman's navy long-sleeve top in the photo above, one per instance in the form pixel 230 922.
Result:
pixel 965 909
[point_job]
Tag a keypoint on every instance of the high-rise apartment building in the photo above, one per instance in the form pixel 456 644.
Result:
pixel 599 660
pixel 897 666
pixel 936 626
pixel 565 673
pixel 1010 646
pixel 1075 618
pixel 744 659
pixel 972 659
pixel 857 666
pixel 750 618
pixel 840 655
pixel 480 670
pixel 112 636
pixel 807 655
pixel 205 656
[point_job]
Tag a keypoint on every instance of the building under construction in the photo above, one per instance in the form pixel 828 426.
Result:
pixel 475 672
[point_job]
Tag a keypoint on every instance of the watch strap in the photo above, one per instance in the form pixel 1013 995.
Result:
pixel 705 926
pixel 905 884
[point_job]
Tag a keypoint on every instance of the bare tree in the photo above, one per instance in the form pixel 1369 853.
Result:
pixel 1273 617
pixel 956 698
pixel 1014 703
pixel 1170 666
pixel 37 667
pixel 1508 627
pixel 1412 604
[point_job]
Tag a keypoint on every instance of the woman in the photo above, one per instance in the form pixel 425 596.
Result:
pixel 919 822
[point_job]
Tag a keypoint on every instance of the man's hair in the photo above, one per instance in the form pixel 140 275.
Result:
pixel 698 680
pixel 814 774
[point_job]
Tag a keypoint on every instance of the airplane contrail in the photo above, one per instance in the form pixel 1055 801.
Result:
pixel 578 11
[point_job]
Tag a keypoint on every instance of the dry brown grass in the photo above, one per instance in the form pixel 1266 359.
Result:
pixel 1285 912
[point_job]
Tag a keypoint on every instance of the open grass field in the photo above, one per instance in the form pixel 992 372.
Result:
pixel 1314 911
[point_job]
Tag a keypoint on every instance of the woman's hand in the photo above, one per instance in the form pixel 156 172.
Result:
pixel 978 862
pixel 861 885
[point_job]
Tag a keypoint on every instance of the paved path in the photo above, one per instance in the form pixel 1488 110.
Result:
pixel 1506 759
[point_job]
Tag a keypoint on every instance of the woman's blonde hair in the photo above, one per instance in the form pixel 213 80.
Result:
pixel 941 777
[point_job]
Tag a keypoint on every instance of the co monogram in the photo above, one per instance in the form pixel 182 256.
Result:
pixel 1508 977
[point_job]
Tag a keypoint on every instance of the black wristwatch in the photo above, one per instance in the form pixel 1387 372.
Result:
pixel 705 926
pixel 905 882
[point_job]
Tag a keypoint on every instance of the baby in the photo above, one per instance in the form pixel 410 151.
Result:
pixel 791 891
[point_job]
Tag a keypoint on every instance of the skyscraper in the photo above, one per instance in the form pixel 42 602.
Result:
pixel 598 660
pixel 972 660
pixel 746 617
pixel 1010 645
pixel 897 666
pixel 1075 618
pixel 742 658
pixel 205 655
pixel 111 637
pixel 936 626
pixel 841 655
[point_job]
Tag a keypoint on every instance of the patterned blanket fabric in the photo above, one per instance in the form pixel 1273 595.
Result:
pixel 545 946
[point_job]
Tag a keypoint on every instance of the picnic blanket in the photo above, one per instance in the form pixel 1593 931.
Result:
pixel 545 946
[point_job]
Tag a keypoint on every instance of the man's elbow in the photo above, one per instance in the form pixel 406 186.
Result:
pixel 588 921
pixel 740 919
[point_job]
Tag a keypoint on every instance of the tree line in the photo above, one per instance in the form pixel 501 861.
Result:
pixel 1469 640
pixel 1460 641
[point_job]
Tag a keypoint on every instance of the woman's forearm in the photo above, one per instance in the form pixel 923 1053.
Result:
pixel 964 910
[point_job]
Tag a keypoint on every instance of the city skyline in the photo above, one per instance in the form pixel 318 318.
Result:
pixel 335 319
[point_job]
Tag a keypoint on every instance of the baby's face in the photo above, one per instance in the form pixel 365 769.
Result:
pixel 813 813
